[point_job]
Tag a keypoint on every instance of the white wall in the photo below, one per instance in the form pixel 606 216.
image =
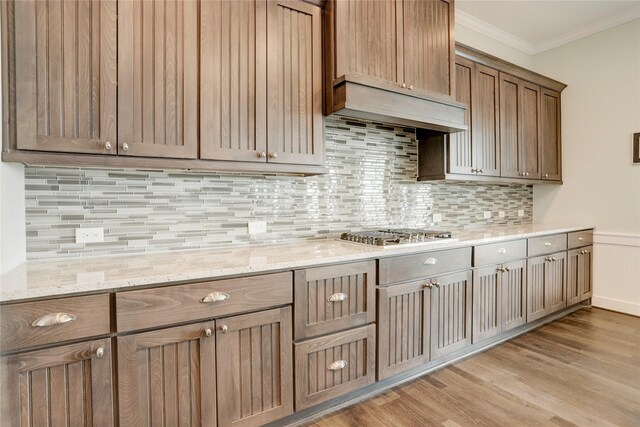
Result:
pixel 600 112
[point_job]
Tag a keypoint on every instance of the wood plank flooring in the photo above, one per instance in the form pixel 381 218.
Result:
pixel 581 370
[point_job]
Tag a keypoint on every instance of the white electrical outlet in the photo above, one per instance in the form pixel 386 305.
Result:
pixel 521 212
pixel 487 214
pixel 501 214
pixel 437 217
pixel 89 235
pixel 257 227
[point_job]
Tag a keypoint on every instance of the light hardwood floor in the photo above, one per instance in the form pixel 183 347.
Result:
pixel 581 370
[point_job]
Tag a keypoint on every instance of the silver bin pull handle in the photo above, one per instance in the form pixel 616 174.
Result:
pixel 338 365
pixel 53 319
pixel 502 251
pixel 337 297
pixel 215 297
pixel 430 261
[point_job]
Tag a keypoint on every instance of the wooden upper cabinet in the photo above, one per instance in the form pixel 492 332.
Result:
pixel 550 147
pixel 367 35
pixel 158 78
pixel 529 129
pixel 427 45
pixel 60 386
pixel 485 121
pixel 461 150
pixel 510 146
pixel 294 83
pixel 65 76
pixel 233 94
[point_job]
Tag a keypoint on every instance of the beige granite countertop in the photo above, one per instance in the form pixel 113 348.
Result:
pixel 66 276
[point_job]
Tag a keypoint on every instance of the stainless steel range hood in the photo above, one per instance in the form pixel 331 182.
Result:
pixel 357 97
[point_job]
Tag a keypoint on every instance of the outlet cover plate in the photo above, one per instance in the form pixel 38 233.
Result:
pixel 487 214
pixel 520 212
pixel 437 217
pixel 257 227
pixel 89 235
pixel 501 214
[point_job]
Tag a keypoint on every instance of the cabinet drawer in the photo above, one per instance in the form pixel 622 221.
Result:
pixel 497 253
pixel 409 267
pixel 334 365
pixel 173 304
pixel 580 238
pixel 37 323
pixel 332 298
pixel 546 244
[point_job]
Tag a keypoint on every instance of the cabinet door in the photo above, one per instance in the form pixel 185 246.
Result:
pixel 428 46
pixel 574 275
pixel 450 313
pixel 487 302
pixel 460 143
pixel 65 68
pixel 403 327
pixel 514 295
pixel 233 52
pixel 510 147
pixel 158 78
pixel 556 285
pixel 550 147
pixel 586 273
pixel 294 83
pixel 167 377
pixel 254 367
pixel 68 385
pixel 366 37
pixel 485 129
pixel 537 301
pixel 529 129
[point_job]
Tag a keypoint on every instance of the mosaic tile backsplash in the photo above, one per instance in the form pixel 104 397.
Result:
pixel 372 183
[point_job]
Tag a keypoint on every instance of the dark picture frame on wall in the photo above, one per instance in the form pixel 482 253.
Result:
pixel 636 148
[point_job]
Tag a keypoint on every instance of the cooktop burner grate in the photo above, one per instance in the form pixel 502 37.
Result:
pixel 395 236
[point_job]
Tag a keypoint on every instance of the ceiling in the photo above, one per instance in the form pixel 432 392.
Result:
pixel 535 26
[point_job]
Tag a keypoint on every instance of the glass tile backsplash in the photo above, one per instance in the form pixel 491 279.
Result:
pixel 371 183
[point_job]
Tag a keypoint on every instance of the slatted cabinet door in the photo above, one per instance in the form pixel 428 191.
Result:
pixel 403 327
pixel 167 377
pixel 529 129
pixel 574 275
pixel 585 273
pixel 550 146
pixel 537 300
pixel 461 150
pixel 450 313
pixel 65 70
pixel 485 120
pixel 556 283
pixel 158 78
pixel 510 117
pixel 329 299
pixel 514 295
pixel 294 83
pixel 254 368
pixel 60 386
pixel 233 52
pixel 487 302
pixel 428 45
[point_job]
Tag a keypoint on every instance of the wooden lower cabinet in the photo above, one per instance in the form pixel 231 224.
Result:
pixel 334 365
pixel 67 385
pixel 168 377
pixel 450 313
pixel 546 285
pixel 579 275
pixel 254 368
pixel 404 327
pixel 499 299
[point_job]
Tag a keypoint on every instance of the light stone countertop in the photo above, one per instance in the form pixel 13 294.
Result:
pixel 67 276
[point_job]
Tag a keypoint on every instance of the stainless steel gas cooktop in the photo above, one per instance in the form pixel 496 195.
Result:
pixel 398 236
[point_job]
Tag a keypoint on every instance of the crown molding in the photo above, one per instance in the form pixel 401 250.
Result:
pixel 483 27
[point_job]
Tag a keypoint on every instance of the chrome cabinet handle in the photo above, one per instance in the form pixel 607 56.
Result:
pixel 480 170
pixel 262 155
pixel 507 269
pixel 100 352
pixel 273 155
pixel 547 259
pixel 53 319
pixel 427 285
pixel 580 239
pixel 553 259
pixel 436 284
pixel 339 296
pixel 403 85
pixel 547 243
pixel 215 297
pixel 526 174
pixel 107 145
pixel 430 261
pixel 500 269
pixel 125 146
pixel 546 175
pixel 410 87
pixel 502 251
pixel 208 332
pixel 338 365
pixel 224 329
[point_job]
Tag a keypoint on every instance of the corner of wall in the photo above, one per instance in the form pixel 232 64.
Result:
pixel 13 246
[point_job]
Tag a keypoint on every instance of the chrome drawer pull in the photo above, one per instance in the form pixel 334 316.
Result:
pixel 215 297
pixel 580 239
pixel 502 251
pixel 430 261
pixel 337 365
pixel 100 352
pixel 54 319
pixel 547 243
pixel 338 297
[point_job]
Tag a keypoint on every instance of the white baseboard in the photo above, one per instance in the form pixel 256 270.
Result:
pixel 616 305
